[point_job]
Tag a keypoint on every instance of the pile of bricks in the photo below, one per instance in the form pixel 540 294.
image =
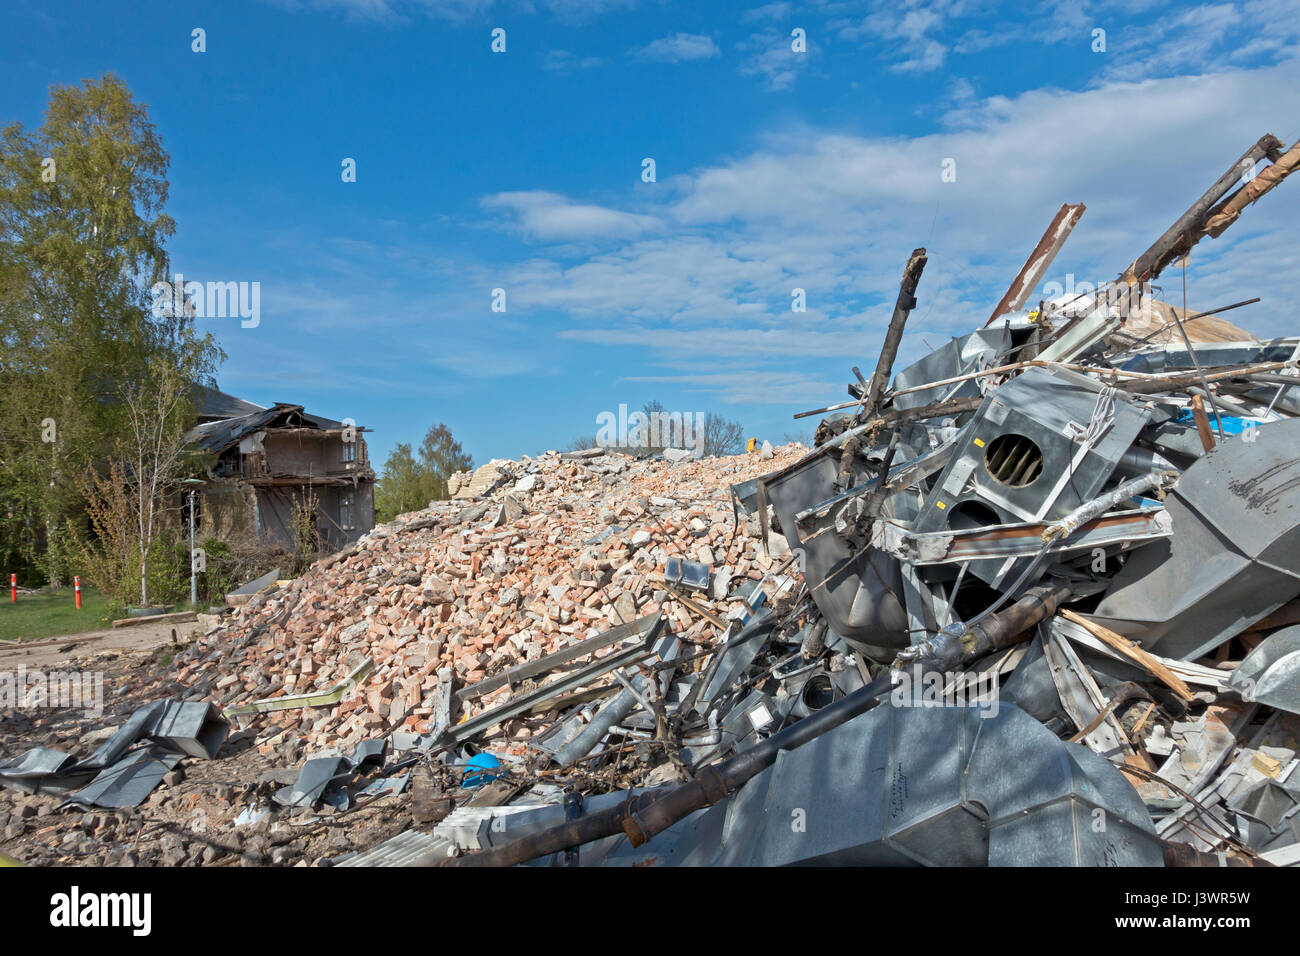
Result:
pixel 558 551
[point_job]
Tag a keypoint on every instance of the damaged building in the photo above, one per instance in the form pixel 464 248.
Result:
pixel 268 464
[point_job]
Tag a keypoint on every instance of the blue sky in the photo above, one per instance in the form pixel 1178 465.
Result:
pixel 775 170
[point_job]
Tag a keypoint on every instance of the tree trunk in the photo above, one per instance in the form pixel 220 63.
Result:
pixel 53 551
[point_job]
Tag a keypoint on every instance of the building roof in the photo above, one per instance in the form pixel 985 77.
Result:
pixel 217 436
pixel 211 404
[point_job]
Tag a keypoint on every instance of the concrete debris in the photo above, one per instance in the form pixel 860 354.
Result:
pixel 1046 575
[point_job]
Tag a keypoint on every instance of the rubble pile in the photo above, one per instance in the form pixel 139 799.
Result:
pixel 564 548
pixel 1046 573
pixel 1033 599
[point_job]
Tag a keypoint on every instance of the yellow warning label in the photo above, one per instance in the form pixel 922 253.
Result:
pixel 940 504
pixel 980 442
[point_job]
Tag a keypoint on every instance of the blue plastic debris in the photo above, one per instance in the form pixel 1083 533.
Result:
pixel 1232 425
pixel 475 770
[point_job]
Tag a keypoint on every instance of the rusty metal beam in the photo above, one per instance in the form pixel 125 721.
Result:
pixel 1225 214
pixel 1058 230
pixel 1190 226
pixel 894 334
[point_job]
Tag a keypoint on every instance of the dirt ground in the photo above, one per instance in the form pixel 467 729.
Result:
pixel 56 650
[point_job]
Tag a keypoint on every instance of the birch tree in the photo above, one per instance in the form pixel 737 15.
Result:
pixel 155 452
pixel 82 241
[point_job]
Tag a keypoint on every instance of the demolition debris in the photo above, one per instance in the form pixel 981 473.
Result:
pixel 1032 600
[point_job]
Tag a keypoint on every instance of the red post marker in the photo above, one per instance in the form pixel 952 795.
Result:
pixel 76 584
pixel 13 588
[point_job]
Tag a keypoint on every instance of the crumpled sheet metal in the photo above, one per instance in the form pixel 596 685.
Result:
pixel 1268 815
pixel 1270 674
pixel 319 773
pixel 857 591
pixel 902 786
pixel 316 774
pixel 42 769
pixel 115 772
pixel 1233 557
pixel 1063 806
pixel 194 728
pixel 127 782
pixel 735 657
pixel 956 357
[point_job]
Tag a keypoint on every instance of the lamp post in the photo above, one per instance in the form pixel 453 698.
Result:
pixel 193 484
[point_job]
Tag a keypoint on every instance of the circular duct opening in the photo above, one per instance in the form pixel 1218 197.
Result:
pixel 973 597
pixel 970 515
pixel 818 692
pixel 1014 460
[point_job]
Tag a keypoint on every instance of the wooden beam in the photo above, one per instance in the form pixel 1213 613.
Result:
pixel 1202 423
pixel 1132 651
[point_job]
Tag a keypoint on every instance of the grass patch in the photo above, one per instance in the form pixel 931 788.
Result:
pixel 46 613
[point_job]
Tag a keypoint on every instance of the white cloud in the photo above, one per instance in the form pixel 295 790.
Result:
pixel 1213 37
pixel 904 31
pixel 921 35
pixel 769 11
pixel 678 47
pixel 550 216
pixel 458 11
pixel 562 61
pixel 771 56
pixel 837 216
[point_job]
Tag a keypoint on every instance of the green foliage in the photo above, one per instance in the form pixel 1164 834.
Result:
pixel 221 575
pixel 82 241
pixel 306 535
pixel 408 483
pixel 440 457
pixel 400 487
pixel 169 569
pixel 107 553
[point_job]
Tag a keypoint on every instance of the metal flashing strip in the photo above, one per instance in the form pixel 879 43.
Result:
pixel 522 672
pixel 322 698
pixel 640 635
pixel 1023 539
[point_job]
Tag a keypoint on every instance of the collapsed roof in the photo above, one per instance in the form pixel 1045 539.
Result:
pixel 223 434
